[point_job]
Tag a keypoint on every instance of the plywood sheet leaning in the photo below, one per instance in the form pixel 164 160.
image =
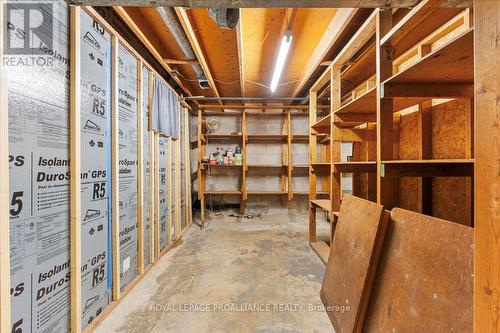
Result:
pixel 353 258
pixel 424 279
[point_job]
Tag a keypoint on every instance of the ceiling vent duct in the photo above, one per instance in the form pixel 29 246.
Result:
pixel 226 18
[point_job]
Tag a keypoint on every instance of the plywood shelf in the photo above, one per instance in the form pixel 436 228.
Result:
pixel 266 137
pixel 321 249
pixel 266 165
pixel 365 103
pixel 323 204
pixel 451 63
pixel 323 125
pixel 361 68
pixel 228 192
pixel 209 166
pixel 222 136
pixel 428 168
pixel 355 167
pixel 421 21
pixel 321 167
pixel 300 138
pixel 318 193
pixel 266 193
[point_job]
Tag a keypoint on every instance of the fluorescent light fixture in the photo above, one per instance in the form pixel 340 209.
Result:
pixel 280 62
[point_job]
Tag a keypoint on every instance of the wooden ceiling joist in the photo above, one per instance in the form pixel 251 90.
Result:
pixel 239 41
pixel 142 37
pixel 193 40
pixel 181 62
pixel 337 25
pixel 268 3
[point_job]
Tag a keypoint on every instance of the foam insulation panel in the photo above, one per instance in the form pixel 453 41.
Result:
pixel 146 153
pixel 37 66
pixel 127 128
pixel 163 192
pixel 95 167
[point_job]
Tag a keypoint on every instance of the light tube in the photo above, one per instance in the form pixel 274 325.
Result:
pixel 280 62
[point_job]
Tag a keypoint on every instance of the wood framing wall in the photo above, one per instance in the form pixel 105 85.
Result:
pixel 250 123
pixel 487 167
pixel 413 148
pixel 4 194
pixel 75 155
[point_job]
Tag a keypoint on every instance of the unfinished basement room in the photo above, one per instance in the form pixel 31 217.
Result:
pixel 239 166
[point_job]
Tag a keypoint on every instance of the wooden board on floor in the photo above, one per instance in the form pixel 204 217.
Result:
pixel 321 249
pixel 354 252
pixel 424 279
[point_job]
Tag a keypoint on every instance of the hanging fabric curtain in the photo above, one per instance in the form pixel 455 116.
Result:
pixel 166 108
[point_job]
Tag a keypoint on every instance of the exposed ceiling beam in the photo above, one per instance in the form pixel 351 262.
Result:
pixel 193 40
pixel 286 25
pixel 181 62
pixel 337 25
pixel 268 3
pixel 131 24
pixel 239 41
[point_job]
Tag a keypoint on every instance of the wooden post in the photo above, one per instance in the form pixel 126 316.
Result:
pixel 177 223
pixel 469 154
pixel 289 156
pixel 201 169
pixel 244 167
pixel 487 167
pixel 187 167
pixel 170 186
pixel 335 146
pixel 284 145
pixel 156 195
pixel 385 130
pixel 425 152
pixel 75 166
pixel 140 173
pixel 115 155
pixel 4 193
pixel 313 98
pixel 152 203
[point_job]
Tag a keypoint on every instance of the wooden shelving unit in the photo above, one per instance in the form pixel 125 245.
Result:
pixel 285 170
pixel 395 66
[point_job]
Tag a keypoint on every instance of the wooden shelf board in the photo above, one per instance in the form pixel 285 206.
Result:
pixel 323 125
pixel 435 161
pixel 307 192
pixel 266 192
pixel 420 22
pixel 300 166
pixel 223 136
pixel 321 167
pixel 321 249
pixel 266 136
pixel 362 68
pixel 301 137
pixel 355 167
pixel 429 168
pixel 365 103
pixel 266 165
pixel 323 204
pixel 451 63
pixel 223 192
pixel 222 166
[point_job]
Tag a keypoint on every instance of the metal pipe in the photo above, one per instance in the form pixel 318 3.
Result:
pixel 197 98
pixel 170 19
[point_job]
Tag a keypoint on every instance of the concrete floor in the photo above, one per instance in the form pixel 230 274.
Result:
pixel 265 262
